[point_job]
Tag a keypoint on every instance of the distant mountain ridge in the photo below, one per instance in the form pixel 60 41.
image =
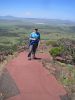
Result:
pixel 38 20
pixel 8 17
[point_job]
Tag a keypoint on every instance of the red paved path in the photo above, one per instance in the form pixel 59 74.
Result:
pixel 33 80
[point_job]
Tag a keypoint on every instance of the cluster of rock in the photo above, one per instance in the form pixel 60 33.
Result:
pixel 68 54
pixel 16 48
pixel 4 54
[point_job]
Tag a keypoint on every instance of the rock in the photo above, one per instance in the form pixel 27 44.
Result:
pixel 73 96
pixel 60 59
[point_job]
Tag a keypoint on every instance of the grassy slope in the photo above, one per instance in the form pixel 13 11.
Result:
pixel 11 31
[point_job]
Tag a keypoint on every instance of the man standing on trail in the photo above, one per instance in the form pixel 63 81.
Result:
pixel 33 43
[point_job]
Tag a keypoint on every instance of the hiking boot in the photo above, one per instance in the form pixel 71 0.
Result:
pixel 34 58
pixel 29 58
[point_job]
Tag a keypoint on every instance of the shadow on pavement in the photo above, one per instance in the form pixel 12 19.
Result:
pixel 8 87
pixel 37 58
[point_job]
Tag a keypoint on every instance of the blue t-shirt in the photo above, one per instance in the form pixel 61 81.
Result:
pixel 34 37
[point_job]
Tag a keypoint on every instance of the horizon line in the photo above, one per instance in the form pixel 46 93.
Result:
pixel 36 18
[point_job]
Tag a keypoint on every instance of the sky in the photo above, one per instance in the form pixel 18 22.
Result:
pixel 51 9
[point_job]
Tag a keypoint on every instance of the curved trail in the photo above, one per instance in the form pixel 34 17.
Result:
pixel 33 81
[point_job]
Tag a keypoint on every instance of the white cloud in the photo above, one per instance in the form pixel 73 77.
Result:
pixel 28 14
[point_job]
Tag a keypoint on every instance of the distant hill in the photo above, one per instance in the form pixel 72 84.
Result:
pixel 38 21
pixel 7 17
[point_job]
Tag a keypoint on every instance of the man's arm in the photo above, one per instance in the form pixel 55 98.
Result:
pixel 31 38
pixel 39 37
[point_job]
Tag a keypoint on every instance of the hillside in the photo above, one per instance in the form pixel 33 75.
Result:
pixel 13 30
pixel 45 25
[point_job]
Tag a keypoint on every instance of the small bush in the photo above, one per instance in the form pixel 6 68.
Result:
pixel 56 51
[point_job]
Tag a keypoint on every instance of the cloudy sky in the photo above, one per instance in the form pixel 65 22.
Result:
pixel 51 9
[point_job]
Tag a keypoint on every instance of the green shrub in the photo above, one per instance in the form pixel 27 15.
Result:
pixel 56 51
